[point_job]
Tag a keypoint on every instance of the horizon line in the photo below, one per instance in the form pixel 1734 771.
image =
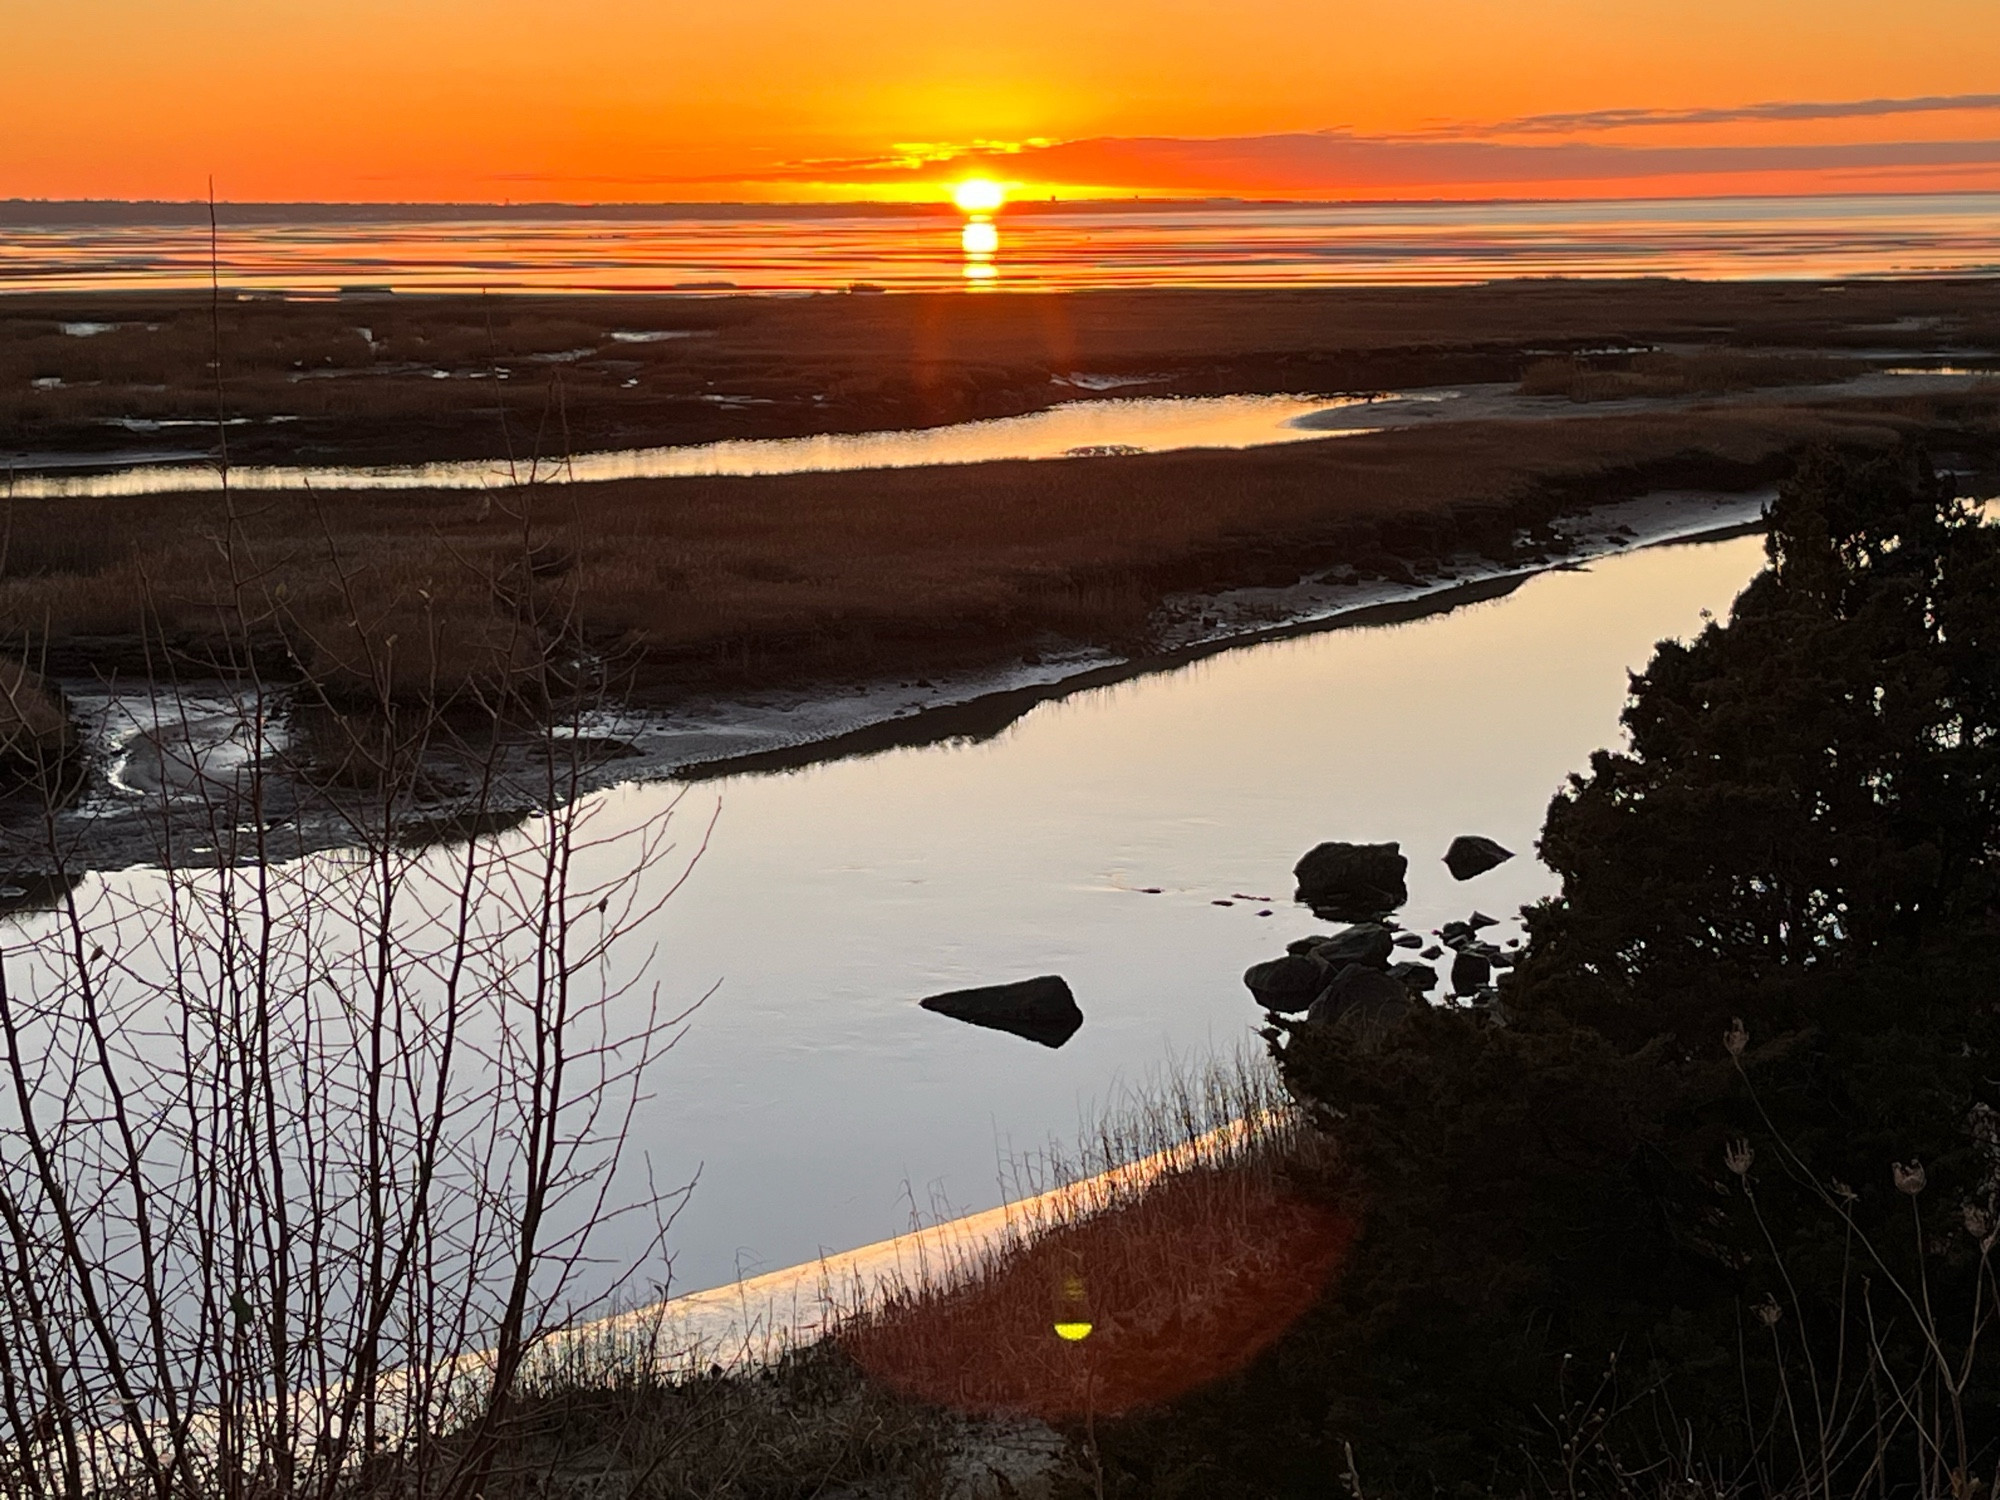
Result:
pixel 11 206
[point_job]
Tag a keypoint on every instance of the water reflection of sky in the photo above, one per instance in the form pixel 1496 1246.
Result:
pixel 821 1105
pixel 821 1101
pixel 1071 428
pixel 1053 249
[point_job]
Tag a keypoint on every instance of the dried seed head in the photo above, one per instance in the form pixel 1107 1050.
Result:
pixel 1768 1312
pixel 1735 1039
pixel 1909 1179
pixel 1737 1156
pixel 1978 1222
pixel 1843 1192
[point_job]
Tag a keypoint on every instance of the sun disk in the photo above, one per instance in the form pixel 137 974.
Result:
pixel 978 195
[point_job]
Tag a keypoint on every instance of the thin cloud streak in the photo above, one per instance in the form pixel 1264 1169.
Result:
pixel 1585 121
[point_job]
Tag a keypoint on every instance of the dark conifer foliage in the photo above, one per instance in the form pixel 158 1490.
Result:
pixel 1813 785
pixel 1656 1221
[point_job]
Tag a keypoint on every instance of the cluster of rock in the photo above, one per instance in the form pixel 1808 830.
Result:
pixel 1364 977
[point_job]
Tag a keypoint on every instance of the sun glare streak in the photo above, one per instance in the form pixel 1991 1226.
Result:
pixel 979 195
pixel 980 238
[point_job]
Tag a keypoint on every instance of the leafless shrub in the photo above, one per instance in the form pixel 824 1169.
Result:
pixel 303 1158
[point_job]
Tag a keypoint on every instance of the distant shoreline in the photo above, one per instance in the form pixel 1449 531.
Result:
pixel 23 212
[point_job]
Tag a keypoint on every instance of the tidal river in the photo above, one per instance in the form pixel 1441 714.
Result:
pixel 1137 839
pixel 822 1106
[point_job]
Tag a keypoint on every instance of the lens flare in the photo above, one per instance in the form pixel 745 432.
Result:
pixel 978 195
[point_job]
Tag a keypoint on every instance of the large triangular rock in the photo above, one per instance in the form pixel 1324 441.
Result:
pixel 1042 1010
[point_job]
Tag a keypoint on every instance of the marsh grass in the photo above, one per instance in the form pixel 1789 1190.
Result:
pixel 1194 1244
pixel 703 583
pixel 1709 372
pixel 1183 1229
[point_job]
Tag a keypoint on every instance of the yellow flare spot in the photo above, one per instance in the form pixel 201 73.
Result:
pixel 1075 1333
pixel 980 238
pixel 978 195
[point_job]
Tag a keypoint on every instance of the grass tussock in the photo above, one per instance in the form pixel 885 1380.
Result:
pixel 38 739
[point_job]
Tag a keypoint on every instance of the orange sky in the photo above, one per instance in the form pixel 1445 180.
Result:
pixel 759 99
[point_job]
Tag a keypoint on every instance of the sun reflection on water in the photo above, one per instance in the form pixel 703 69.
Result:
pixel 981 238
pixel 979 199
pixel 980 241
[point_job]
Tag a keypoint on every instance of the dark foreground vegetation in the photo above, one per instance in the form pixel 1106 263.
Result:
pixel 1709 1206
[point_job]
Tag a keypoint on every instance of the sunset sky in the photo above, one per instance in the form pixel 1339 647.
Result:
pixel 645 100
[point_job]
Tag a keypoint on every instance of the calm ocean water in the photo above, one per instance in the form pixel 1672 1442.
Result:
pixel 1038 247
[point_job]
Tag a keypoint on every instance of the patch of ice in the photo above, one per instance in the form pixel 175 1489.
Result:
pixel 85 330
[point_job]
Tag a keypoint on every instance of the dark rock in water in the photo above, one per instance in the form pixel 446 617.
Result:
pixel 1455 934
pixel 1408 940
pixel 1471 855
pixel 1042 1010
pixel 1364 943
pixel 1434 952
pixel 1479 919
pixel 1288 983
pixel 1352 882
pixel 1414 976
pixel 1307 944
pixel 1364 1002
pixel 1469 972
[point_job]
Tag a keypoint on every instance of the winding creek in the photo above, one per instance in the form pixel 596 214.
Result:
pixel 1080 428
pixel 1136 837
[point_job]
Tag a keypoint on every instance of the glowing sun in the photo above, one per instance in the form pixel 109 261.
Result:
pixel 978 195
